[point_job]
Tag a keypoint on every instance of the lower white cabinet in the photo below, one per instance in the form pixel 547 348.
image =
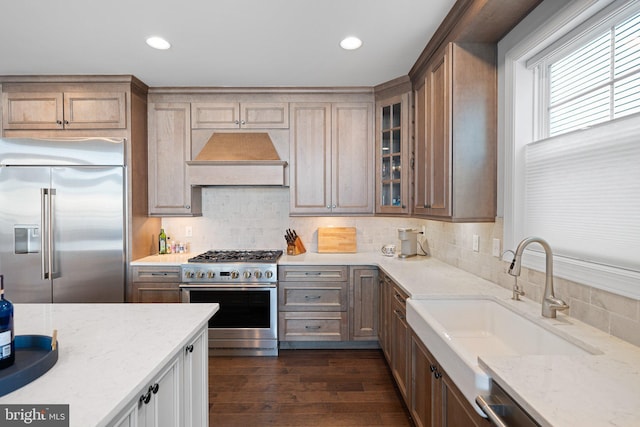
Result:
pixel 178 395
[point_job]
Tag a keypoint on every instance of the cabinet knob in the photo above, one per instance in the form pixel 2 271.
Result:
pixel 66 122
pixel 242 122
pixel 437 374
pixel 155 388
pixel 58 122
pixel 432 367
pixel 189 348
pixel 187 206
pixel 236 122
pixel 328 206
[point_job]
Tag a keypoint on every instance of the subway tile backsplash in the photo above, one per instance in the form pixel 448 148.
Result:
pixel 256 218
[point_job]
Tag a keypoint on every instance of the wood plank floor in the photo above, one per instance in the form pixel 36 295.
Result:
pixel 305 388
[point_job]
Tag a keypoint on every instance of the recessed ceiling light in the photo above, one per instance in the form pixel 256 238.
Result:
pixel 158 43
pixel 351 43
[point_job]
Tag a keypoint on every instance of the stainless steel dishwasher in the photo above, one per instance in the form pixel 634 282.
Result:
pixel 502 410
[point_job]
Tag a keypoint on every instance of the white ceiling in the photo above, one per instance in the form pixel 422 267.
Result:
pixel 219 42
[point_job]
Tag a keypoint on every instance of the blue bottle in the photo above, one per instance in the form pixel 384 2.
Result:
pixel 7 344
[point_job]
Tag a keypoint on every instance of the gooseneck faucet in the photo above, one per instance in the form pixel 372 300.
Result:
pixel 550 304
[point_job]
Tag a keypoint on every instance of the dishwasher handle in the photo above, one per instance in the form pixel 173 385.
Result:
pixel 491 414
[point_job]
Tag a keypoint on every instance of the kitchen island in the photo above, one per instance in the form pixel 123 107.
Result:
pixel 109 356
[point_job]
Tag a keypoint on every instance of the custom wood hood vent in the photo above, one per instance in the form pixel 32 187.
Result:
pixel 237 158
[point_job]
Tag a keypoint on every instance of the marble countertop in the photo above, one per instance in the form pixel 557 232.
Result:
pixel 107 353
pixel 559 391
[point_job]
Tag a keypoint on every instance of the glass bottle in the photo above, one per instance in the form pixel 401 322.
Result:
pixel 162 242
pixel 7 343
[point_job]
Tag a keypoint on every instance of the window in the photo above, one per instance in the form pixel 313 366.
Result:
pixel 593 81
pixel 571 129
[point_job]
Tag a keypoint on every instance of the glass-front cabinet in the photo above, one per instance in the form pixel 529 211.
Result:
pixel 392 134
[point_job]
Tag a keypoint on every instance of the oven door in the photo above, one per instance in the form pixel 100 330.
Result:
pixel 247 318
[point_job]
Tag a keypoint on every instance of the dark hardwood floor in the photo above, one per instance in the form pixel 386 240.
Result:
pixel 305 388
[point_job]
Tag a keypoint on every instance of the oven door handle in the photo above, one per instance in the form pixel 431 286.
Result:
pixel 225 286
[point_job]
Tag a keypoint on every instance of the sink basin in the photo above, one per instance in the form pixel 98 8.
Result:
pixel 459 330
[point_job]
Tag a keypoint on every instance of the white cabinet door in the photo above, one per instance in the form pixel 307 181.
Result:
pixel 162 408
pixel 196 383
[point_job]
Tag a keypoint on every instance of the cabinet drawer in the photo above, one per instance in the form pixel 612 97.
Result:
pixel 326 273
pixel 156 274
pixel 302 296
pixel 313 326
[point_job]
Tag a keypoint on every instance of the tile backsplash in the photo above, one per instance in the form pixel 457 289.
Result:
pixel 252 218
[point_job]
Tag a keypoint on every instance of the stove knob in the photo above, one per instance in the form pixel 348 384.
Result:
pixel 246 274
pixel 234 274
pixel 257 274
pixel 200 274
pixel 211 274
pixel 188 274
pixel 268 274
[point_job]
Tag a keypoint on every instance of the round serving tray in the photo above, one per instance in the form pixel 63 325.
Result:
pixel 34 357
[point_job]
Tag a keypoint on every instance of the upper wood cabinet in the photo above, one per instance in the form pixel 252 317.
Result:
pixel 169 150
pixel 64 110
pixel 331 158
pixel 234 115
pixel 392 155
pixel 455 130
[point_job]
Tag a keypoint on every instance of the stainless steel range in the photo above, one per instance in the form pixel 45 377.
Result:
pixel 244 283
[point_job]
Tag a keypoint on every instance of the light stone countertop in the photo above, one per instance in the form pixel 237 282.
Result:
pixel 107 353
pixel 559 391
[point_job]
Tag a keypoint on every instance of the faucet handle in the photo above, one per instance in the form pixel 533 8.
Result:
pixel 557 303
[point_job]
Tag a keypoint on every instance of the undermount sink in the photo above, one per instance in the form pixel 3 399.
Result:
pixel 459 330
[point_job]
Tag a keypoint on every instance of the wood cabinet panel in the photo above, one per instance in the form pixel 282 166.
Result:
pixel 169 150
pixel 364 302
pixel 64 110
pixel 400 342
pixel 331 158
pixel 155 285
pixel 313 326
pixel 234 115
pixel 312 296
pixel 455 146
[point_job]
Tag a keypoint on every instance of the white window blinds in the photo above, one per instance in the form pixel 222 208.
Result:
pixel 597 82
pixel 583 193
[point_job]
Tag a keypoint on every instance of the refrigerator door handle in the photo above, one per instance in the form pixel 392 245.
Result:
pixel 44 235
pixel 52 249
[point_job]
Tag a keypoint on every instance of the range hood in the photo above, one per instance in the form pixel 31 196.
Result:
pixel 237 158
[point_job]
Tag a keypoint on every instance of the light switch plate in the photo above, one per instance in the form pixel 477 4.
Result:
pixel 496 248
pixel 188 231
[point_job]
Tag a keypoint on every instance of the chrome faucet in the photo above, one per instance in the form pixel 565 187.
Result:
pixel 550 304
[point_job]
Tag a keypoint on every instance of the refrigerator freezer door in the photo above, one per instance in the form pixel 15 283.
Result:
pixel 22 260
pixel 88 234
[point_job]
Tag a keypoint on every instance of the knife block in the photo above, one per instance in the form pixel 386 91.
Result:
pixel 296 248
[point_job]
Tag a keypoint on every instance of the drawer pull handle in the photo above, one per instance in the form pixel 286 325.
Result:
pixel 399 313
pixel 312 297
pixel 399 298
pixel 312 327
pixel 313 273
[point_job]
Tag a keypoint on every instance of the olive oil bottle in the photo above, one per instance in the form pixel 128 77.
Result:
pixel 162 242
pixel 7 344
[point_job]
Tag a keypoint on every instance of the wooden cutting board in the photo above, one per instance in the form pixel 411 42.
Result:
pixel 336 239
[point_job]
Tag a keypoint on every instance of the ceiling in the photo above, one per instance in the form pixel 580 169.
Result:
pixel 219 42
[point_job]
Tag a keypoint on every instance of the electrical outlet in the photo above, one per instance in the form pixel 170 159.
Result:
pixel 496 248
pixel 476 243
pixel 188 231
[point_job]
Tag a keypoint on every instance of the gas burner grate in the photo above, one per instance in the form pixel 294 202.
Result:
pixel 217 256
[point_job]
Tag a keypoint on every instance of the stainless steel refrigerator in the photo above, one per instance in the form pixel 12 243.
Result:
pixel 62 219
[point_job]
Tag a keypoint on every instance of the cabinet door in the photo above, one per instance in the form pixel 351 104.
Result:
pixel 196 382
pixel 422 393
pixel 215 115
pixel 155 284
pixel 456 411
pixel 95 110
pixel 384 332
pixel 364 304
pixel 167 401
pixel 310 158
pixel 169 150
pixel 392 155
pixel 352 159
pixel 400 352
pixel 264 115
pixel 438 136
pixel 32 110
